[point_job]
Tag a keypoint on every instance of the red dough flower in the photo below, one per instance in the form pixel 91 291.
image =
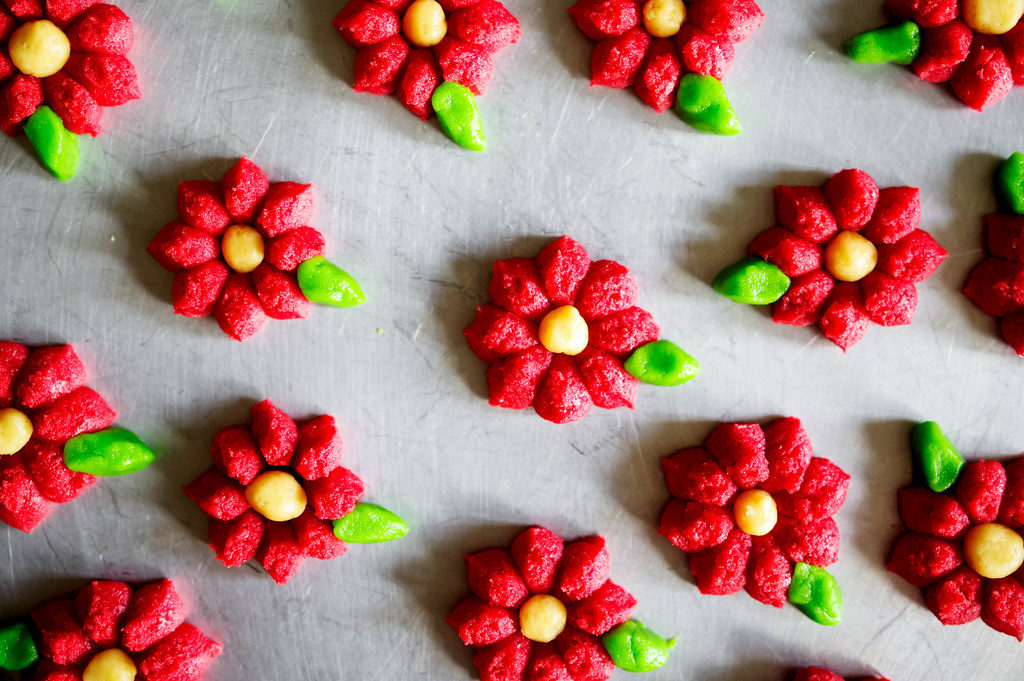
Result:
pixel 819 674
pixel 651 45
pixel 538 607
pixel 109 623
pixel 751 504
pixel 75 84
pixel 409 48
pixel 44 402
pixel 237 247
pixel 557 330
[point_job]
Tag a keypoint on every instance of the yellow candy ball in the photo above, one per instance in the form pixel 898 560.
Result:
pixel 110 665
pixel 242 248
pixel 664 18
pixel 424 23
pixel 564 331
pixel 15 431
pixel 39 48
pixel 850 257
pixel 993 551
pixel 542 618
pixel 993 17
pixel 277 496
pixel 755 512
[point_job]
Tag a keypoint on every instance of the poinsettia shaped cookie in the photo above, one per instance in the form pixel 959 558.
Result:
pixel 546 609
pixel 962 534
pixel 819 674
pixel 55 434
pixel 752 509
pixel 108 631
pixel 61 62
pixel 843 256
pixel 562 334
pixel 977 46
pixel 670 52
pixel 996 284
pixel 434 55
pixel 277 492
pixel 242 250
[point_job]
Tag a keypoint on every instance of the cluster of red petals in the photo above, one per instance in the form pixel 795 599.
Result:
pixel 539 562
pixel 808 217
pixel 47 385
pixel 147 623
pixel 996 284
pixel 699 519
pixel 191 248
pixel 386 63
pixel 626 54
pixel 311 452
pixel 982 69
pixel 930 554
pixel 523 372
pixel 97 74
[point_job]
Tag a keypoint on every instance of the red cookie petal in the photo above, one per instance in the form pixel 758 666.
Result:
pixel 63 11
pixel 493 577
pixel 844 321
pixel 421 77
pixel 378 67
pixel 1013 46
pixel 816 542
pixel 600 19
pixel 616 61
pixel 363 23
pixel 319 448
pixel 889 301
pixel 956 598
pixel 691 474
pixel 21 504
pixel 100 607
pixel 659 75
pixel 791 254
pixel 985 77
pixel 235 452
pixel 61 638
pixel 289 250
pixel 516 286
pixel 996 286
pixel 609 384
pixel 693 527
pixel 486 24
pixel 925 13
pixel 608 288
pixel 943 50
pixel 898 214
pixel 279 293
pixel 547 665
pixel 536 554
pixel 622 332
pixel 102 28
pixel 44 462
pixel 286 206
pixel 852 194
pixel 704 53
pixel 280 553
pixel 275 432
pixel 78 110
pixel 218 495
pixel 821 494
pixel 238 310
pixel 585 567
pixel 1002 606
pixel 769 572
pixel 154 612
pixel 505 660
pixel 1004 236
pixel 721 570
pixel 913 258
pixel 335 495
pixel 179 246
pixel 740 449
pixel 243 188
pixel 561 394
pixel 183 656
pixel 235 542
pixel 496 333
pixel 200 205
pixel 608 607
pixel 49 373
pixel 512 382
pixel 1011 328
pixel 196 291
pixel 19 98
pixel 479 623
pixel 922 560
pixel 80 411
pixel 12 357
pixel 788 452
pixel 317 537
pixel 464 63
pixel 111 79
pixel 805 212
pixel 562 266
pixel 584 656
pixel 927 512
pixel 732 20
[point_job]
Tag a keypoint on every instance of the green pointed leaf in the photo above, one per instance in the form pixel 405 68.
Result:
pixel 898 43
pixel 817 594
pixel 662 362
pixel 935 457
pixel 324 282
pixel 110 452
pixel 1010 182
pixel 56 146
pixel 369 524
pixel 752 281
pixel 635 648
pixel 459 115
pixel 702 103
pixel 17 648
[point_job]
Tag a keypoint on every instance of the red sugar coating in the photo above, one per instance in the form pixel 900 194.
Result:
pixel 319 448
pixel 720 570
pixel 77 109
pixel 100 607
pixel 692 474
pixel 218 495
pixel 243 188
pixel 479 623
pixel 155 611
pixel 516 286
pixel 47 374
pixel 102 28
pixel 236 453
pixel 853 195
pixel 608 607
pixel 1013 46
pixel 616 60
pixel 48 671
pixel 703 53
pixel 279 293
pixel 110 79
pixel 980 490
pixel 20 96
pixel 44 462
pixel 497 333
pixel 505 660
pixel 80 411
pixel 585 567
pixel 584 656
pixel 536 554
pixel 928 512
pixel 279 552
pixel 791 254
pixel 62 11
pixel 1004 235
pixel 599 20
pixel 805 212
pixel 317 537
pixel 422 76
pixel 563 264
pixel 922 560
pixel 1002 606
pixel 897 214
pixel 769 572
pixel 22 506
pixel 512 382
pixel 493 577
pixel 815 542
pixel 740 449
pixel 1012 510
pixel 693 526
pixel 816 674
pixel 888 301
pixel 732 20
pixel 334 495
pixel 238 310
pixel 659 75
pixel 914 258
pixel 788 451
pixel 286 206
pixel 179 246
pixel 196 291
pixel 844 321
pixel 464 63
pixel 235 542
pixel 607 381
pixel 956 598
pixel 287 251
pixel 199 205
pixel 943 50
pixel 562 396
pixel 822 493
pixel 985 76
pixel 61 638
pixel 608 288
pixel 363 23
pixel 185 655
pixel 378 67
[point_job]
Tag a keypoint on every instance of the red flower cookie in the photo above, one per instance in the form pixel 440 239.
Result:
pixel 47 418
pixel 751 505
pixel 846 255
pixel 242 251
pixel 109 630
pixel 655 45
pixel 539 608
pixel 559 332
pixel 962 535
pixel 819 674
pixel 276 487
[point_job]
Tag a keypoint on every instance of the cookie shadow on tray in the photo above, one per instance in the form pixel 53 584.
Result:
pixel 564 39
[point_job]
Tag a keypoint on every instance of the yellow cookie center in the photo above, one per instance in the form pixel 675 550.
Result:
pixel 850 257
pixel 277 496
pixel 564 331
pixel 242 248
pixel 110 665
pixel 39 48
pixel 15 431
pixel 994 17
pixel 755 512
pixel 424 23
pixel 994 551
pixel 664 18
pixel 542 618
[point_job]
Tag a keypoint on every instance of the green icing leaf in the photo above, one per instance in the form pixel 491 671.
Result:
pixel 17 648
pixel 324 282
pixel 662 362
pixel 635 648
pixel 1010 182
pixel 56 146
pixel 752 281
pixel 935 457
pixel 110 452
pixel 369 524
pixel 817 594
pixel 459 115
pixel 898 44
pixel 702 103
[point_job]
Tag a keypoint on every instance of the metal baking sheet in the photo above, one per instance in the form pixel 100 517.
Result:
pixel 419 221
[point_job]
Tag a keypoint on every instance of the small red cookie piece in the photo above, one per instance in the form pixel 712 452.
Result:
pixel 78 110
pixel 844 321
pixel 656 82
pixel 1011 328
pixel 1002 606
pixel 1004 236
pixel 956 598
pixel 600 19
pixel 279 293
pixel 769 572
pixel 943 50
pixel 516 286
pixel 61 638
pixel 897 214
pixel 101 607
pixel 421 77
pixel 608 607
pixel 154 612
pixel 721 570
pixel 922 560
pixel 608 288
pixel 286 206
pixel 536 554
pixel 980 490
pixel 486 24
pixel 512 382
pixel 243 188
pixel 21 504
pixel 275 432
pixel 82 410
pixel 803 301
pixel 497 333
pixel 562 396
pixel 985 76
pixel 703 53
pixel 584 656
pixel 49 373
pixel 820 496
pixel 19 98
pixel 102 28
pixel 44 462
pixel 279 552
pixel 504 660
pixel 816 674
pixel 815 542
pixel 334 495
pixel 317 537
pixel 607 381
pixel 789 452
pixel 217 495
pixel 200 205
pixel 179 246
pixel 692 526
pixel 925 13
pixel 238 310
pixel 479 623
pixel 185 655
pixel 318 449
pixel 740 449
pixel 927 512
pixel 464 63
pixel 616 61
pixel 805 212
pixel 585 566
pixel 853 195
pixel 888 301
pixel 12 358
pixel 377 68
pixel 996 286
pixel 493 577
pixel 913 258
pixel 235 541
pixel 732 20
pixel 791 254
pixel 236 453
pixel 563 265
pixel 362 23
pixel 691 474
pixel 195 291
pixel 289 250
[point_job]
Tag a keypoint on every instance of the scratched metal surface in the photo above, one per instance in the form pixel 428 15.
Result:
pixel 418 221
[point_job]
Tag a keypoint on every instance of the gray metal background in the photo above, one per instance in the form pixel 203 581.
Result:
pixel 419 221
